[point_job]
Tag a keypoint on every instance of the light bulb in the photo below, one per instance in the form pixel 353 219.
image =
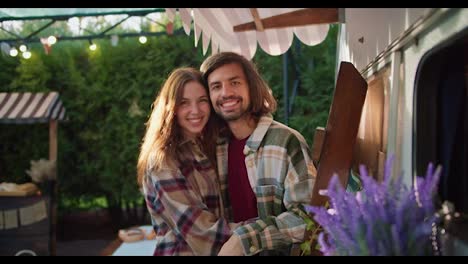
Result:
pixel 26 54
pixel 93 47
pixel 142 39
pixel 23 48
pixel 13 52
pixel 51 40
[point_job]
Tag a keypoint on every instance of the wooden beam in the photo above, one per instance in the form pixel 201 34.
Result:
pixel 341 130
pixel 307 16
pixel 257 20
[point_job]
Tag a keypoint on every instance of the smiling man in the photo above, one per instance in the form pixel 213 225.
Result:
pixel 265 169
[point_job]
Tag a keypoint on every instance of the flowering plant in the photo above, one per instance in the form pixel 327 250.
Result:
pixel 386 218
pixel 42 170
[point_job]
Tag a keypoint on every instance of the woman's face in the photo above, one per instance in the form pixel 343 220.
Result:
pixel 193 111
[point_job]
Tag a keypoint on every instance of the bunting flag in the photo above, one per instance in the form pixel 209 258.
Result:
pixel 46 45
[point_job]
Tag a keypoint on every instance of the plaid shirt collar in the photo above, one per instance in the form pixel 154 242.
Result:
pixel 253 143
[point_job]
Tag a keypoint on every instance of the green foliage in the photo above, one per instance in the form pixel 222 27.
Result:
pixel 316 73
pixel 8 71
pixel 108 95
pixel 311 246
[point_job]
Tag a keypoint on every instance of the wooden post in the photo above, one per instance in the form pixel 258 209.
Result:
pixel 341 131
pixel 53 188
pixel 53 140
pixel 317 145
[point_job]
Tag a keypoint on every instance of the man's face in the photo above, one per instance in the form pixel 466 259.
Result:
pixel 229 92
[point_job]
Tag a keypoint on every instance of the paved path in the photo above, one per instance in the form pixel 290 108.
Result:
pixel 81 247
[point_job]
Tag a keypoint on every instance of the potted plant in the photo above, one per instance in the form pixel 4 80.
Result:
pixel 384 218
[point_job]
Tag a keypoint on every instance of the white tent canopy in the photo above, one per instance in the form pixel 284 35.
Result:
pixel 215 27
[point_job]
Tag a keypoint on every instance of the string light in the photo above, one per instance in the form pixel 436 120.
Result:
pixel 13 52
pixel 51 40
pixel 142 39
pixel 26 54
pixel 92 46
pixel 23 48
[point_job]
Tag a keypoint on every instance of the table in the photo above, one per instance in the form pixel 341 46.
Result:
pixel 139 248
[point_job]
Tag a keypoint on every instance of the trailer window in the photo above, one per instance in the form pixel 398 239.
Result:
pixel 441 118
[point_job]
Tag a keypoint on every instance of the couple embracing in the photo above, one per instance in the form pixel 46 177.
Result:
pixel 219 175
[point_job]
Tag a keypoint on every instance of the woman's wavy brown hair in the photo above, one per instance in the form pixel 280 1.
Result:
pixel 163 134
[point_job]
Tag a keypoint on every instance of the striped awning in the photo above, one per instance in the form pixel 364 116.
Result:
pixel 216 26
pixel 27 108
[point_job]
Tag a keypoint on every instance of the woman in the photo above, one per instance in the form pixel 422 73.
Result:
pixel 179 181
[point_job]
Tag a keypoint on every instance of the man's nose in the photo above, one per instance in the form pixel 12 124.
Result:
pixel 227 90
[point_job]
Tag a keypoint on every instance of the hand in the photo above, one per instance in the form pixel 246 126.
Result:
pixel 232 247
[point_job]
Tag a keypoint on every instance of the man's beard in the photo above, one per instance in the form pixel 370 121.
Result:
pixel 232 116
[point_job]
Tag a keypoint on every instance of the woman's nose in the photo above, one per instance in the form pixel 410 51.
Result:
pixel 194 108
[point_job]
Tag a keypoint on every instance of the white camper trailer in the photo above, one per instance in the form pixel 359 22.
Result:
pixel 415 62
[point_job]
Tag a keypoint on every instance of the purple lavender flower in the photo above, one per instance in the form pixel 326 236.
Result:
pixel 385 218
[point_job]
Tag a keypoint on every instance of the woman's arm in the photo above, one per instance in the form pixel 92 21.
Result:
pixel 173 204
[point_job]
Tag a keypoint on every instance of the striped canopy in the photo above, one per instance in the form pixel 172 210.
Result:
pixel 216 26
pixel 27 108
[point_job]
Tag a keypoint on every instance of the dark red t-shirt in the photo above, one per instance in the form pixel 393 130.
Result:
pixel 243 200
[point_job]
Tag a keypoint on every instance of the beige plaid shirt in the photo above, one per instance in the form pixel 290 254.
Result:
pixel 282 176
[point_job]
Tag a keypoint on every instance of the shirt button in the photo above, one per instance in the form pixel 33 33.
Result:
pixel 253 249
pixel 246 150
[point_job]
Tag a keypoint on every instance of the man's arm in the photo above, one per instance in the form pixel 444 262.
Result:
pixel 281 203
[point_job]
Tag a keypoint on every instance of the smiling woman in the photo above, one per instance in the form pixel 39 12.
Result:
pixel 176 169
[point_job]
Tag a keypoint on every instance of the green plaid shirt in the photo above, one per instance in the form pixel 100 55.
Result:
pixel 282 176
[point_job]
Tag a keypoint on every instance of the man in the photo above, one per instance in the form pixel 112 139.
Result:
pixel 266 173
